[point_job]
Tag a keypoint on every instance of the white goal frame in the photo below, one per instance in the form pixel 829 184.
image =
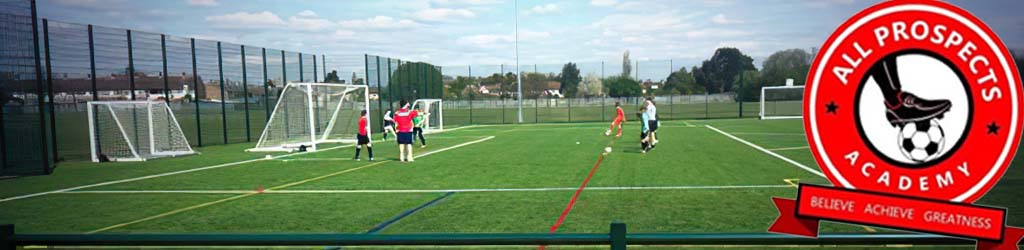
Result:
pixel 136 156
pixel 767 117
pixel 440 114
pixel 314 139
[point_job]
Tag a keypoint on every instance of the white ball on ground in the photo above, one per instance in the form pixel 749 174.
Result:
pixel 267 157
pixel 607 149
pixel 577 143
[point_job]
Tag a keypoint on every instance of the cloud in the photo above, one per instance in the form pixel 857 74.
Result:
pixel 379 22
pixel 443 14
pixel 246 20
pixel 206 3
pixel 544 9
pixel 307 13
pixel 498 40
pixel 721 19
pixel 467 2
pixel 604 3
pixel 708 33
pixel 309 23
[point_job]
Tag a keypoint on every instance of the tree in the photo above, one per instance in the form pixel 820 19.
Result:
pixel 570 79
pixel 591 86
pixel 457 87
pixel 748 86
pixel 791 63
pixel 627 65
pixel 356 81
pixel 681 82
pixel 534 84
pixel 332 77
pixel 723 67
pixel 701 81
pixel 621 86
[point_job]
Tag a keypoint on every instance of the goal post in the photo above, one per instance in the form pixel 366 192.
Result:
pixel 309 114
pixel 432 112
pixel 134 131
pixel 782 102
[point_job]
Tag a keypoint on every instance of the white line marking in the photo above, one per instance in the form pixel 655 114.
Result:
pixel 317 159
pixel 468 190
pixel 755 146
pixel 251 193
pixel 757 133
pixel 164 174
pixel 790 148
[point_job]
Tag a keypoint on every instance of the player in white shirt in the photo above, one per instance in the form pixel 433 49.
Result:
pixel 389 125
pixel 652 122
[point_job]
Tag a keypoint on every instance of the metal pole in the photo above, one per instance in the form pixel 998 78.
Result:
pixel 163 56
pixel 617 234
pixel 92 66
pixel 131 66
pixel 314 68
pixel 519 80
pixel 302 74
pixel 49 88
pixel 284 71
pixel 39 89
pixel 245 93
pixel 323 66
pixel 266 87
pixel 195 98
pixel 380 113
pixel 223 105
pixel 470 67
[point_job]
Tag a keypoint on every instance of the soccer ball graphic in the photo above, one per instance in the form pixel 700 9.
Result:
pixel 921 141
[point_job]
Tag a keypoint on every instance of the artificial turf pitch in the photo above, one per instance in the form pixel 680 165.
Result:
pixel 701 178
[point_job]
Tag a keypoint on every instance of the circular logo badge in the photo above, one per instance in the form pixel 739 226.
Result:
pixel 915 98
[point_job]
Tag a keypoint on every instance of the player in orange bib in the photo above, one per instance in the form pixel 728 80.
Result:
pixel 620 118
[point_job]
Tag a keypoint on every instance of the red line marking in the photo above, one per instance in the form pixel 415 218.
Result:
pixel 575 196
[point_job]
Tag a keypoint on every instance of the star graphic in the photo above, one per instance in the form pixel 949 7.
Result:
pixel 831 107
pixel 993 128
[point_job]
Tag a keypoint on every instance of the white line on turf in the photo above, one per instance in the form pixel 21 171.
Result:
pixel 467 190
pixel 758 133
pixel 292 184
pixel 165 174
pixel 755 146
pixel 789 148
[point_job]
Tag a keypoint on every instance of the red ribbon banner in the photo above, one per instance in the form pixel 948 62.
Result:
pixel 814 203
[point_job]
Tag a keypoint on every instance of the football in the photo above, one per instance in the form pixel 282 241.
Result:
pixel 607 149
pixel 921 141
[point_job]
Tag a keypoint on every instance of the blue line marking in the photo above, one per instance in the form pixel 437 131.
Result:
pixel 407 213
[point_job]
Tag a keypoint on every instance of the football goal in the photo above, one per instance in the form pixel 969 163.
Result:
pixel 782 102
pixel 432 111
pixel 134 131
pixel 309 114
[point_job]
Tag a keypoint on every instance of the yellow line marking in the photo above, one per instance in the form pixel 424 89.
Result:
pixel 180 210
pixel 792 182
pixel 869 229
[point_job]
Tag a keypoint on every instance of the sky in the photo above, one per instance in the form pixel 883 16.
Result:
pixel 481 33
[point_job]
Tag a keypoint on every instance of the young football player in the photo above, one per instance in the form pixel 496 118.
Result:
pixel 403 118
pixel 620 118
pixel 363 136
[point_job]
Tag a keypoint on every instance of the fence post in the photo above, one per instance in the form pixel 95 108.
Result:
pixel 39 89
pixel 223 105
pixel 569 104
pixel 131 66
pixel 195 97
pixel 7 237
pixel 245 93
pixel 470 69
pixel 266 88
pixel 671 107
pixel 92 66
pixel 536 109
pixel 49 89
pixel 706 99
pixel 617 235
pixel 301 73
pixel 502 110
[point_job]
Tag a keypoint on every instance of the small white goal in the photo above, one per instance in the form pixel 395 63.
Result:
pixel 782 102
pixel 134 131
pixel 432 111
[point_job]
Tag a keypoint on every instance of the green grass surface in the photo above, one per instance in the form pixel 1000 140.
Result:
pixel 518 181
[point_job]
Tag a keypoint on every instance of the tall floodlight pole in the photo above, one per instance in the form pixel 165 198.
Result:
pixel 519 80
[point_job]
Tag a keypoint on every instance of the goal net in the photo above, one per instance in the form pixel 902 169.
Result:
pixel 134 131
pixel 432 112
pixel 782 102
pixel 309 114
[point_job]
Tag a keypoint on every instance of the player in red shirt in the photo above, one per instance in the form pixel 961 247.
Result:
pixel 403 118
pixel 620 118
pixel 363 136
